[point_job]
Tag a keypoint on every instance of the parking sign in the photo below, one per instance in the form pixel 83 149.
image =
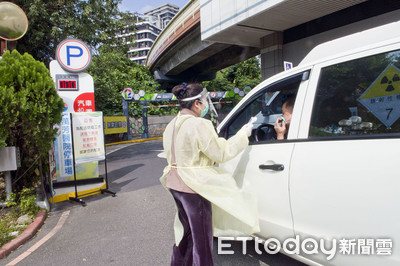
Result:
pixel 73 55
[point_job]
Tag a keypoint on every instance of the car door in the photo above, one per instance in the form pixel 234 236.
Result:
pixel 344 183
pixel 263 167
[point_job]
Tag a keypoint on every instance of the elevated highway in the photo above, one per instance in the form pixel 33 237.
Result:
pixel 180 54
pixel 209 35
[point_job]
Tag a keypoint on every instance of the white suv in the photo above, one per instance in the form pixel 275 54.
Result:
pixel 337 174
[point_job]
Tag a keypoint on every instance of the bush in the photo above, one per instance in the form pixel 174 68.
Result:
pixel 30 107
pixel 27 202
pixel 18 205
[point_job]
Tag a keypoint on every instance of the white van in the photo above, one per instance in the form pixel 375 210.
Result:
pixel 336 176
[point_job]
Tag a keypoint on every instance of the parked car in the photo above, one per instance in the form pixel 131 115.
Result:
pixel 336 176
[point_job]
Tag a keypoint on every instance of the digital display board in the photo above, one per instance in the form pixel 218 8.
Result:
pixel 68 82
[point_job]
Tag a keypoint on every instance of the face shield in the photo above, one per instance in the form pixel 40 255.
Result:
pixel 200 97
pixel 212 108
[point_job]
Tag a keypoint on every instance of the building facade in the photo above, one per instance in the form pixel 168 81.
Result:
pixel 147 28
pixel 143 38
pixel 162 15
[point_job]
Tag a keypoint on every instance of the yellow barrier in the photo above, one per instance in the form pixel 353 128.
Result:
pixel 66 196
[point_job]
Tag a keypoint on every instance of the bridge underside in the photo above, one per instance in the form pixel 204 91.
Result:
pixel 194 60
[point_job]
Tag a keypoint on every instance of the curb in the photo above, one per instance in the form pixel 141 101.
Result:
pixel 28 233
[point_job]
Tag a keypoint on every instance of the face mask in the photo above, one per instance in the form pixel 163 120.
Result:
pixel 205 110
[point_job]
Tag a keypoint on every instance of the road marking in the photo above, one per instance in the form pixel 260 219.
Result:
pixel 117 149
pixel 60 223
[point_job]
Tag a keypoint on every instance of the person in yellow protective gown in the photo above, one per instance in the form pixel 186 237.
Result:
pixel 208 201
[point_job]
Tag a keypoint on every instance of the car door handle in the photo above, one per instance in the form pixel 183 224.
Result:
pixel 275 167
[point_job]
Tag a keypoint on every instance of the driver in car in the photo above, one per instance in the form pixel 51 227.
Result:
pixel 283 122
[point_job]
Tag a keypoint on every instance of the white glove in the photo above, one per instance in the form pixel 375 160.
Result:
pixel 249 126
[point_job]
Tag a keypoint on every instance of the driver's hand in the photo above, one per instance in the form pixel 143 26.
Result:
pixel 280 128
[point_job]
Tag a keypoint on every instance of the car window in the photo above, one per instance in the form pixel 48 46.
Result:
pixel 267 107
pixel 358 97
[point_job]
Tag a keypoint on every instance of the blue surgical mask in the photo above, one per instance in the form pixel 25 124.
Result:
pixel 205 110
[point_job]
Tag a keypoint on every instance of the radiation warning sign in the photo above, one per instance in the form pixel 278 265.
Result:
pixel 382 97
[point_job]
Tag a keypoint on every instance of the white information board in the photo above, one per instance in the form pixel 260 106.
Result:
pixel 88 137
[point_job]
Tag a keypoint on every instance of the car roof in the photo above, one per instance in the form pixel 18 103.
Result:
pixel 353 43
pixel 347 45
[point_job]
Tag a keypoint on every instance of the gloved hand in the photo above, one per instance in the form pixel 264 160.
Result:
pixel 249 126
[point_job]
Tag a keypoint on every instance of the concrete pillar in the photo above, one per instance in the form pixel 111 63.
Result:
pixel 271 55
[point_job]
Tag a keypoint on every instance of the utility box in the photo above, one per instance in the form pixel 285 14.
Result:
pixel 9 159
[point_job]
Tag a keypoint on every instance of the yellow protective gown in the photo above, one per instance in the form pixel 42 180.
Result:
pixel 197 148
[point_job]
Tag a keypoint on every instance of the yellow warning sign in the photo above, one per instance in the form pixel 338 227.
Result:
pixel 115 124
pixel 388 83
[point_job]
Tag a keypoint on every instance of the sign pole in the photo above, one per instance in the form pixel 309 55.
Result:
pixel 145 134
pixel 107 190
pixel 125 112
pixel 73 160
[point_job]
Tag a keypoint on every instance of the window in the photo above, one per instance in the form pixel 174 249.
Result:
pixel 267 107
pixel 358 97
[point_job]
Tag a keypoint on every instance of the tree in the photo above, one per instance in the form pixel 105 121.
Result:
pixel 8 109
pixel 220 83
pixel 51 21
pixel 33 108
pixel 112 71
pixel 240 75
pixel 246 73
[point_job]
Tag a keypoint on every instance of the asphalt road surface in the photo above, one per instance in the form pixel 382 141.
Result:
pixel 133 228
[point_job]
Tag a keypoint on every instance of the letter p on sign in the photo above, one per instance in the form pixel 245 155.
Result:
pixel 73 55
pixel 69 54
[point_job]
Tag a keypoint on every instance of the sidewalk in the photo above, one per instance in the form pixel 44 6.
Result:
pixel 33 228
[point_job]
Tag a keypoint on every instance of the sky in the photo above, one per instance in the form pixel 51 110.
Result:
pixel 142 6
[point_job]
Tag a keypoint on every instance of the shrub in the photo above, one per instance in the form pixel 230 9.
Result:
pixel 30 107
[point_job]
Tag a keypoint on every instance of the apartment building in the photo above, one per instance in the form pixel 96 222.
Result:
pixel 147 28
pixel 162 15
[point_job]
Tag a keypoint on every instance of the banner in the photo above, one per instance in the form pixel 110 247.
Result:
pixel 65 148
pixel 64 157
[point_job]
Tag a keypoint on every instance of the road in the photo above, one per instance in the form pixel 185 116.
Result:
pixel 134 228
